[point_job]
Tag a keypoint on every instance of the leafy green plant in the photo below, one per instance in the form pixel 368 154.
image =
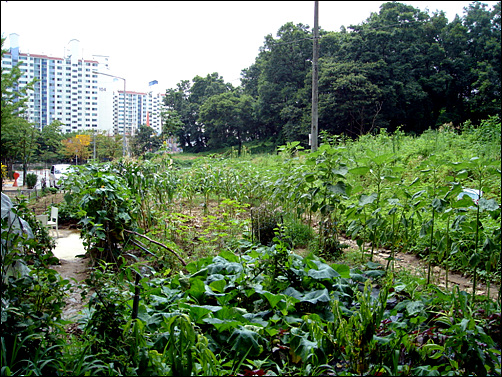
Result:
pixel 106 208
pixel 32 295
pixel 31 180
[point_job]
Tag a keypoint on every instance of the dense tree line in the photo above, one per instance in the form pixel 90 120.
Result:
pixel 399 68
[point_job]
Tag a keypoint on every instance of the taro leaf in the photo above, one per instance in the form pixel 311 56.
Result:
pixel 373 266
pixel 374 273
pixel 304 349
pixel 324 271
pixel 488 205
pixel 367 199
pixel 361 170
pixel 244 340
pixel 197 288
pixel 342 269
pixel 221 265
pixel 357 275
pixel 231 313
pixel 159 301
pixel 258 318
pixel 313 297
pixel 218 285
pixel 293 293
pixel 414 307
pixel 225 298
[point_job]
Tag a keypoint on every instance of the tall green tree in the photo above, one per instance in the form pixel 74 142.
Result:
pixel 50 142
pixel 278 77
pixel 21 141
pixel 145 140
pixel 13 103
pixel 349 101
pixel 228 118
pixel 108 147
pixel 186 99
pixel 484 52
pixel 171 124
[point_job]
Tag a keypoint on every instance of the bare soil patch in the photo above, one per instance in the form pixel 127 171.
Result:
pixel 418 267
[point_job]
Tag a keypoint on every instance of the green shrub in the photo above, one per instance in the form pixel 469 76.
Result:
pixel 31 180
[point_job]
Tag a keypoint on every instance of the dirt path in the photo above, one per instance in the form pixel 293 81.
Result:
pixel 72 268
pixel 418 267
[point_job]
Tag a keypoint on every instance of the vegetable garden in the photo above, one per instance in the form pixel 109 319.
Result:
pixel 235 266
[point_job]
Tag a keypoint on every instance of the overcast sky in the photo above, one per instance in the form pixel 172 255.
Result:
pixel 170 41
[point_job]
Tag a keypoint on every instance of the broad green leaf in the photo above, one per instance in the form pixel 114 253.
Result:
pixel 342 269
pixel 293 293
pixel 324 271
pixel 462 174
pixel 474 259
pixel 321 295
pixel 374 273
pixel 273 299
pixel 383 158
pixel 305 348
pixel 341 171
pixel 309 177
pixel 367 199
pixel 488 205
pixel 197 288
pixel 339 188
pixel 361 170
pixel 222 325
pixel 218 285
pixel 244 341
pixel 414 307
pixel 197 313
pixel 231 257
pixel 465 202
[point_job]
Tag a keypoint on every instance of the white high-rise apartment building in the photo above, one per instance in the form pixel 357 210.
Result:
pixel 67 90
pixel 141 109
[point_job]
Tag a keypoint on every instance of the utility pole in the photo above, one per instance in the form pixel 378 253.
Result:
pixel 315 76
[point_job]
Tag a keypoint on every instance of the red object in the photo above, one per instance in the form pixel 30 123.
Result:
pixel 148 119
pixel 16 176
